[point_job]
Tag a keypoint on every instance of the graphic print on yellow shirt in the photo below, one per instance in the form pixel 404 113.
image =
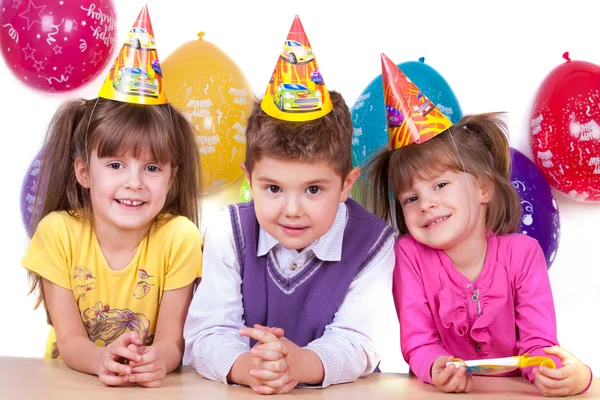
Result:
pixel 65 251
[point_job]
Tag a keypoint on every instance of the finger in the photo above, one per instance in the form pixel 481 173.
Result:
pixel 461 384
pixel 263 389
pixel 144 377
pixel 278 332
pixel 149 356
pixel 469 384
pixel 151 384
pixel 262 327
pixel 131 337
pixel 264 375
pixel 288 387
pixel 453 383
pixel 554 373
pixel 266 354
pixel 281 381
pixel 442 376
pixel 258 335
pixel 113 380
pixel 115 367
pixel 549 382
pixel 151 367
pixel 120 351
pixel 558 352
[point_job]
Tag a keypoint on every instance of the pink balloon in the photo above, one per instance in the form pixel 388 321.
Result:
pixel 57 45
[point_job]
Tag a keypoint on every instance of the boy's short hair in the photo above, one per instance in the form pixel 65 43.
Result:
pixel 328 138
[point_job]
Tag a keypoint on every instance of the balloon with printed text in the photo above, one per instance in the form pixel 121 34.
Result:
pixel 565 129
pixel 369 118
pixel 539 210
pixel 212 92
pixel 57 46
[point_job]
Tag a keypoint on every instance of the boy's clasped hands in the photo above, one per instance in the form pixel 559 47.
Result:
pixel 127 361
pixel 270 366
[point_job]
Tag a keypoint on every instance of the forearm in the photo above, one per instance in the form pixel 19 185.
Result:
pixel 240 371
pixel 306 366
pixel 170 351
pixel 80 354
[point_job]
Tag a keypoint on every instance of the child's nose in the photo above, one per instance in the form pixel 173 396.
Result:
pixel 427 203
pixel 134 180
pixel 292 206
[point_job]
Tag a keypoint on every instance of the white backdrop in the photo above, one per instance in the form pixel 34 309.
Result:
pixel 493 54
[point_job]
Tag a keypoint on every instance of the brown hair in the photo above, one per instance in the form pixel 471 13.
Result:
pixel 477 145
pixel 114 128
pixel 328 138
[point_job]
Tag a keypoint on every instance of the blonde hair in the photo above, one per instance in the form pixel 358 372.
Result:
pixel 113 128
pixel 477 145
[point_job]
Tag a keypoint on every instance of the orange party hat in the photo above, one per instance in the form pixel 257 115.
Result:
pixel 296 91
pixel 135 76
pixel 411 116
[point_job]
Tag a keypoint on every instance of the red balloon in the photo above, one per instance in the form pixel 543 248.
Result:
pixel 57 45
pixel 565 129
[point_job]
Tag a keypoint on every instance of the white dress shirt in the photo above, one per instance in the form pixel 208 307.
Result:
pixel 349 347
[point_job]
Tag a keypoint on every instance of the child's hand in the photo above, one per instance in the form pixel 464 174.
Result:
pixel 270 366
pixel 449 378
pixel 572 378
pixel 150 370
pixel 112 371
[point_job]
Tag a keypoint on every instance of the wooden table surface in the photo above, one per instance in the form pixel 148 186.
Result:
pixel 35 378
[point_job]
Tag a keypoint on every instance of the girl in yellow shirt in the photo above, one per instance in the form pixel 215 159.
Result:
pixel 117 249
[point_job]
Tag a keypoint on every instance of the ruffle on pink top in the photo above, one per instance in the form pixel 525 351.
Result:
pixel 493 296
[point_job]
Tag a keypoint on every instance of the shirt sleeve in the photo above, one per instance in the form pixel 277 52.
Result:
pixel 534 307
pixel 350 346
pixel 48 254
pixel 419 337
pixel 185 257
pixel 211 331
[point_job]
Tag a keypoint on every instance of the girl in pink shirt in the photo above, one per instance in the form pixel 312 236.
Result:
pixel 465 285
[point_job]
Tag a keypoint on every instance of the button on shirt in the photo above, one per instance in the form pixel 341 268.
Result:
pixel 350 346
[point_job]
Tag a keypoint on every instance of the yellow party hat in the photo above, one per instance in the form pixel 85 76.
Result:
pixel 296 91
pixel 136 76
pixel 411 116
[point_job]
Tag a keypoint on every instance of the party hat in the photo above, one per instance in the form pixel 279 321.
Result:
pixel 411 116
pixel 135 76
pixel 296 91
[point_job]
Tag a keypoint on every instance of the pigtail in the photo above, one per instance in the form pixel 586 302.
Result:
pixel 504 210
pixel 184 196
pixel 56 187
pixel 375 187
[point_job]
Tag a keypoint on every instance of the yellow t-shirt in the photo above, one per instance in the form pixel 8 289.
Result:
pixel 65 251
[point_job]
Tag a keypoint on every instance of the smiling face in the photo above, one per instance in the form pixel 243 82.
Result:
pixel 296 202
pixel 441 211
pixel 126 192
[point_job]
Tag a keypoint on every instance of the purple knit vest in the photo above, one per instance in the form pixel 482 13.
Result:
pixel 305 304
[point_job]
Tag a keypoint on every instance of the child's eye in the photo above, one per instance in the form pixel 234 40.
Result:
pixel 409 199
pixel 440 185
pixel 313 190
pixel 114 165
pixel 153 168
pixel 273 189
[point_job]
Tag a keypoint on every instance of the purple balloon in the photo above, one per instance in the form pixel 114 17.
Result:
pixel 28 192
pixel 539 216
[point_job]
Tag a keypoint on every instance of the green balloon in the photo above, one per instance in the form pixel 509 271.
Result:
pixel 245 192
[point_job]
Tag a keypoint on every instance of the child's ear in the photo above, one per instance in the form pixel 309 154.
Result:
pixel 486 190
pixel 173 175
pixel 348 183
pixel 246 174
pixel 82 172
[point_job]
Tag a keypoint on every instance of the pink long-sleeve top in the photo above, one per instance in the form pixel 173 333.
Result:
pixel 508 310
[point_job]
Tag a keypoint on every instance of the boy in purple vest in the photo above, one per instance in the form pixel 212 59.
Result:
pixel 295 283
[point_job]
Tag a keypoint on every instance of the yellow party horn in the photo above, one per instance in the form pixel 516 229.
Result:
pixel 494 366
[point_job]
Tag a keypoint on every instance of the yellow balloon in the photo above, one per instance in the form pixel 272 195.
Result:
pixel 212 204
pixel 212 92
